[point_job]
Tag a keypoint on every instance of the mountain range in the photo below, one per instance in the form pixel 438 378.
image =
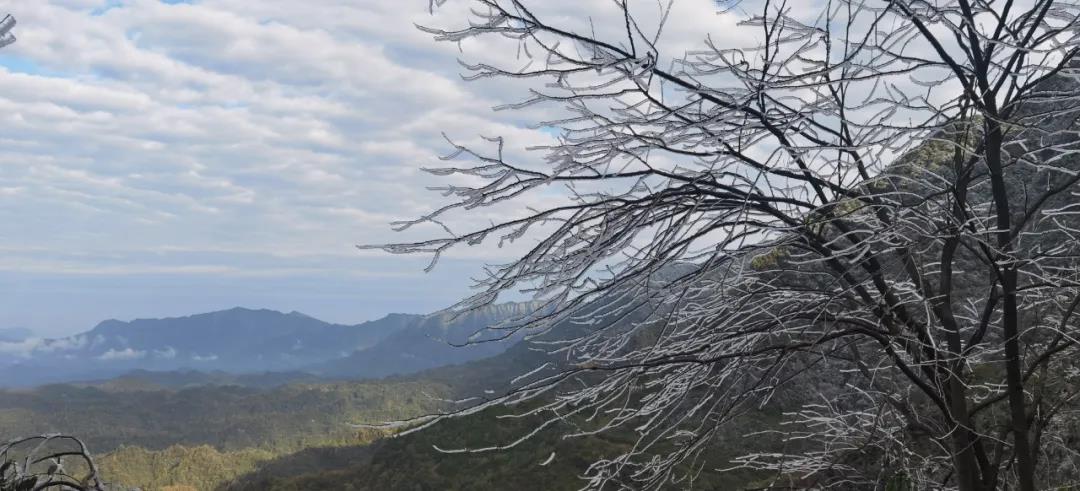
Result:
pixel 248 341
pixel 429 342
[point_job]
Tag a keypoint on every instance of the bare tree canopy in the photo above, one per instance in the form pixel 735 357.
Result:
pixel 51 461
pixel 878 203
pixel 6 24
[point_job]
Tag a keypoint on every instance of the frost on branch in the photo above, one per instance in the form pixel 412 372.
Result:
pixel 862 221
pixel 51 461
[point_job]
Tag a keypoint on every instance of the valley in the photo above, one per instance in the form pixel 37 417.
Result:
pixel 296 429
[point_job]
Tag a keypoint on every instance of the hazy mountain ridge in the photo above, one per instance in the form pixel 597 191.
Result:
pixel 270 347
pixel 235 340
pixel 149 380
pixel 435 341
pixel 256 432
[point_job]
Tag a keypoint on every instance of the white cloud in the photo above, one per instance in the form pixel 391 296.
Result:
pixel 31 346
pixel 261 128
pixel 124 354
pixel 210 357
pixel 71 343
pixel 167 354
pixel 18 349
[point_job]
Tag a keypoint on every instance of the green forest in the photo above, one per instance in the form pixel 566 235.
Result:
pixel 204 436
pixel 295 438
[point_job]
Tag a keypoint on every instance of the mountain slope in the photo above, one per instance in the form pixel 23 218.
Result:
pixel 236 340
pixel 428 342
pixel 246 341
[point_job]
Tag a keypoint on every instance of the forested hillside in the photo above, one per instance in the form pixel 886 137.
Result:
pixel 226 417
pixel 154 429
pixel 547 462
pixel 202 435
pixel 203 427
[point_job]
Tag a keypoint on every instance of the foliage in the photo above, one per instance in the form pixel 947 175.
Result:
pixel 549 461
pixel 201 467
pixel 202 436
pixel 281 419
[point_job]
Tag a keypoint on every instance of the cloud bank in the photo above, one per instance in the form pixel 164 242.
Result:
pixel 241 139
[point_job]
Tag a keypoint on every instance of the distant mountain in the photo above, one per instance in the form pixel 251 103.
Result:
pixel 155 410
pixel 237 340
pixel 429 342
pixel 267 347
pixel 143 380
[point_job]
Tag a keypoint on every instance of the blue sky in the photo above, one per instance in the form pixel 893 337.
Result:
pixel 167 158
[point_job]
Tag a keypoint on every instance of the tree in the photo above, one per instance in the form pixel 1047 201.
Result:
pixel 6 24
pixel 878 203
pixel 51 461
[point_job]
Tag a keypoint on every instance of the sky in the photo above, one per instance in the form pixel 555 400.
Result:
pixel 163 158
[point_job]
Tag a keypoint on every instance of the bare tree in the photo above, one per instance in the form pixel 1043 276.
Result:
pixel 6 24
pixel 51 461
pixel 878 203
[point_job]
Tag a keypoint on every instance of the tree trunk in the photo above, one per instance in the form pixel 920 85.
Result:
pixel 1010 322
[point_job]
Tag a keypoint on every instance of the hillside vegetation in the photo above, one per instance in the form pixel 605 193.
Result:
pixel 203 436
pixel 226 417
pixel 545 462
